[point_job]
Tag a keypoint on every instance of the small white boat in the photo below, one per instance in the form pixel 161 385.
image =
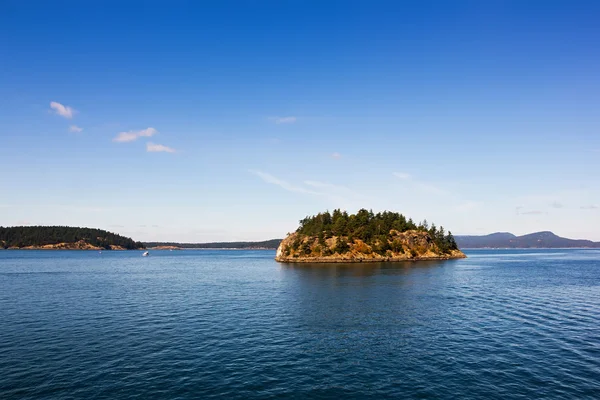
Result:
pixel 146 253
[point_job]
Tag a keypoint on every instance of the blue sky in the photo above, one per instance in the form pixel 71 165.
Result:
pixel 232 120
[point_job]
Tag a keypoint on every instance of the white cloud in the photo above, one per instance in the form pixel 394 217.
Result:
pixel 340 196
pixel 336 155
pixel 322 185
pixel 590 207
pixel 63 111
pixel 426 187
pixel 518 209
pixel 468 206
pixel 130 136
pixel 156 148
pixel 283 120
pixel 281 183
pixel 423 186
pixel 75 129
pixel 334 195
pixel 402 175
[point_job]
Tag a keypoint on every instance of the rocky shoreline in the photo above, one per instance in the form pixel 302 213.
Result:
pixel 334 259
pixel 80 245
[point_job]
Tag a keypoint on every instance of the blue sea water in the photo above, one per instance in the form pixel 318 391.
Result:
pixel 501 324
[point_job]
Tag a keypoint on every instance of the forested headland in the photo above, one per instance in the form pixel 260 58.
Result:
pixel 64 237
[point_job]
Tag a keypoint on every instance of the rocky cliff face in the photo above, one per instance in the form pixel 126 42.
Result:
pixel 401 246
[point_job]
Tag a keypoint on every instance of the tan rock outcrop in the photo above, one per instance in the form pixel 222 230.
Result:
pixel 405 246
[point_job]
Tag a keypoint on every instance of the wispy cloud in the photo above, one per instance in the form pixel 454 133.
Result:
pixel 157 148
pixel 336 155
pixel 468 206
pixel 75 129
pixel 427 187
pixel 334 195
pixel 532 212
pixel 556 204
pixel 324 185
pixel 281 183
pixel 423 186
pixel 590 207
pixel 519 211
pixel 283 120
pixel 339 195
pixel 402 175
pixel 130 136
pixel 62 110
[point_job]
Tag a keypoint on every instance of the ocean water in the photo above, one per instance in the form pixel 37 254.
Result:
pixel 518 324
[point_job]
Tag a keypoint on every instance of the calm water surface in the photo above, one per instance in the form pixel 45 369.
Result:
pixel 235 324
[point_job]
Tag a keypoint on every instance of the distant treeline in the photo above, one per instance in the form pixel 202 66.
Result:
pixel 24 236
pixel 373 229
pixel 267 244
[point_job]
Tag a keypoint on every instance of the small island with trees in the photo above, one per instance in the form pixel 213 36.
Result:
pixel 366 237
pixel 63 238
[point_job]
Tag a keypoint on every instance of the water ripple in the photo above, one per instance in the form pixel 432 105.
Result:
pixel 219 324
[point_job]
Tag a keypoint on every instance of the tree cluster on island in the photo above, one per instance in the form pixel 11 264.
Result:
pixel 38 236
pixel 364 232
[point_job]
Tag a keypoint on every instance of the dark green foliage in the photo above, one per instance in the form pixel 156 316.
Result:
pixel 397 247
pixel 321 238
pixel 305 248
pixel 296 243
pixel 267 244
pixel 341 246
pixel 382 245
pixel 23 236
pixel 371 228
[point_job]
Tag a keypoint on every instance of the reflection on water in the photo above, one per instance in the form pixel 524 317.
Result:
pixel 321 270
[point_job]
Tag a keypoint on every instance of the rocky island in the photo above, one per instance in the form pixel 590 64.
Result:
pixel 63 238
pixel 366 237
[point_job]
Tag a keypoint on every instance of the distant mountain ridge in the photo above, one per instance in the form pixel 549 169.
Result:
pixel 506 240
pixel 498 240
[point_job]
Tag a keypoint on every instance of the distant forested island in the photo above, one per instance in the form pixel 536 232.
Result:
pixel 64 237
pixel 540 240
pixel 366 236
pixel 266 244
